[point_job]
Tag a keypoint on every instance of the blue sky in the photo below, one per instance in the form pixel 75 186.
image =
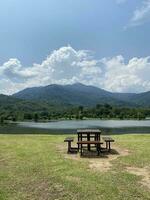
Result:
pixel 31 30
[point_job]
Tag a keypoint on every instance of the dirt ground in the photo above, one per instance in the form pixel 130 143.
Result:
pixel 143 172
pixel 101 163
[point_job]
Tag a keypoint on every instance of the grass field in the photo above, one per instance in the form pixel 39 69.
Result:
pixel 37 167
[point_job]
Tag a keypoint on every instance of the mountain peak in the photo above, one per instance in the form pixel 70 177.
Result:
pixel 78 84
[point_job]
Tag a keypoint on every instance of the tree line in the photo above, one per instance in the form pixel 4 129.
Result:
pixel 99 111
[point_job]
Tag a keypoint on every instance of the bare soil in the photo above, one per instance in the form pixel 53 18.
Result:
pixel 143 172
pixel 97 163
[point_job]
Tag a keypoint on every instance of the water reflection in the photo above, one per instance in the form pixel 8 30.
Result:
pixel 64 127
pixel 75 124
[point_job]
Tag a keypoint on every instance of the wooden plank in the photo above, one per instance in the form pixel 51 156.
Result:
pixel 69 139
pixel 88 131
pixel 89 142
pixel 108 139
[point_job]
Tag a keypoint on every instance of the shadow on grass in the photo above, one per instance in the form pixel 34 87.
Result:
pixel 103 154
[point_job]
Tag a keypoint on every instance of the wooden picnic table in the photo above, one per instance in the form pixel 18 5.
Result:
pixel 89 138
pixel 88 135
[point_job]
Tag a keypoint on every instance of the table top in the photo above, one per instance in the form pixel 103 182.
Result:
pixel 88 131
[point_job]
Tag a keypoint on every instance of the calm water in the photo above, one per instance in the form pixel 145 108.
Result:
pixel 75 124
pixel 66 126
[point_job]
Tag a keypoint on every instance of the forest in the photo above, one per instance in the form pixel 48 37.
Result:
pixel 100 111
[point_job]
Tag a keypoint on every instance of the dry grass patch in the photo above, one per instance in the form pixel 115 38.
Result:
pixel 97 163
pixel 74 179
pixel 104 162
pixel 143 172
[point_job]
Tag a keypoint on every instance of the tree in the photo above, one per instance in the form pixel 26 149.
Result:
pixel 107 106
pixel 81 116
pixel 98 106
pixel 36 117
pixel 140 115
pixel 28 116
pixel 77 116
pixel 80 109
pixel 14 118
pixel 1 120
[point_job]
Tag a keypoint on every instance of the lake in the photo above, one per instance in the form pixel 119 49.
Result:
pixel 70 126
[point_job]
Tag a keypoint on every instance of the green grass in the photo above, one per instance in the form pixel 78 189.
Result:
pixel 33 167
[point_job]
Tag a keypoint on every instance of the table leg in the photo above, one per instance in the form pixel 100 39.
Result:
pixel 88 138
pixel 95 137
pixel 98 149
pixel 81 149
pixel 109 146
pixel 106 145
pixel 69 146
pixel 78 141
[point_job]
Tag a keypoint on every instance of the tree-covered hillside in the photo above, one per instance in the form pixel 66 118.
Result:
pixel 15 109
pixel 79 94
pixel 72 101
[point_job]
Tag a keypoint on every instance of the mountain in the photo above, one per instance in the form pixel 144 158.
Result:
pixel 58 101
pixel 4 99
pixel 76 94
pixel 79 94
pixel 142 99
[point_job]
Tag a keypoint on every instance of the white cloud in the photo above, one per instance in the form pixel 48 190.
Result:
pixel 15 72
pixel 67 65
pixel 140 15
pixel 131 77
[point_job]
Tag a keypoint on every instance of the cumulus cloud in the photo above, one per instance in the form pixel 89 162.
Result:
pixel 15 72
pixel 140 15
pixel 67 66
pixel 131 77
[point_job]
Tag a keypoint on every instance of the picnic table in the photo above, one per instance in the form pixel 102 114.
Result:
pixel 88 135
pixel 88 139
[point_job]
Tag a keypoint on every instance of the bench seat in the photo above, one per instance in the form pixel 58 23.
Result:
pixel 69 140
pixel 97 143
pixel 89 142
pixel 108 141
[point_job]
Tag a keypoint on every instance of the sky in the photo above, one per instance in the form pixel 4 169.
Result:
pixel 105 43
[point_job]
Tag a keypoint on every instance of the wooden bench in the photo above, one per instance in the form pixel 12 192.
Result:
pixel 108 141
pixel 69 140
pixel 97 143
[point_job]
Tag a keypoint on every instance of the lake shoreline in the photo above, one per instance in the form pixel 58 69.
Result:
pixel 73 119
pixel 71 126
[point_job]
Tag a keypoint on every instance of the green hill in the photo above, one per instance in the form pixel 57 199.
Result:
pixel 58 101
